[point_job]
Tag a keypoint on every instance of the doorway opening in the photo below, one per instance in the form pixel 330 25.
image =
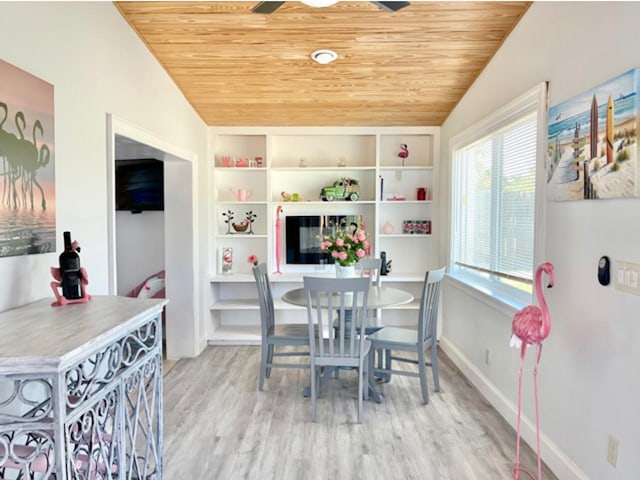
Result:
pixel 170 236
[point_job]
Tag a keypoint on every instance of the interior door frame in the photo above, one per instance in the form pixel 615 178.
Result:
pixel 180 253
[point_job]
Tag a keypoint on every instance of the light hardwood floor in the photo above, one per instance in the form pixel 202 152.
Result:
pixel 217 425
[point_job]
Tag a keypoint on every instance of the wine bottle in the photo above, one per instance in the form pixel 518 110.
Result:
pixel 70 271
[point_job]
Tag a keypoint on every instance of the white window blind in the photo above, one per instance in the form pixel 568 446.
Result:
pixel 494 203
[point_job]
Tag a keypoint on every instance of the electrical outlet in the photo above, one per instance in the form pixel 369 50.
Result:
pixel 612 451
pixel 486 356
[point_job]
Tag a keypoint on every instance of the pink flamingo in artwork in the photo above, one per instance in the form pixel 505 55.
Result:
pixel 278 212
pixel 531 326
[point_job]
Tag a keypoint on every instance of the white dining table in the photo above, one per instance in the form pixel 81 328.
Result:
pixel 379 297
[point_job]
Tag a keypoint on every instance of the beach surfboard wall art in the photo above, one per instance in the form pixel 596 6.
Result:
pixel 592 142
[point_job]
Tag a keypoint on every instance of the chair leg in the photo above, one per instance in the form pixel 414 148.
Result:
pixel 269 359
pixel 422 369
pixel 313 393
pixel 371 364
pixel 384 363
pixel 434 367
pixel 361 383
pixel 263 365
pixel 387 359
pixel 368 373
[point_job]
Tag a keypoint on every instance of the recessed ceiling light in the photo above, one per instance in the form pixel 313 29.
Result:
pixel 324 56
pixel 319 3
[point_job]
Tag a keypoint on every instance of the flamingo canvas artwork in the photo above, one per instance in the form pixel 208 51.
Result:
pixel 531 326
pixel 27 201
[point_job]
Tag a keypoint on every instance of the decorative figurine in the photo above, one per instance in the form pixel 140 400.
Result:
pixel 250 217
pixel 290 197
pixel 241 227
pixel 343 189
pixel 229 216
pixel 404 152
pixel 70 277
pixel 531 326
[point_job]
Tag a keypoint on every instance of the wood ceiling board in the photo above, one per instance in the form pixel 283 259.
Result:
pixel 405 68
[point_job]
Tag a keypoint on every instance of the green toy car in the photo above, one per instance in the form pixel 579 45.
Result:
pixel 343 189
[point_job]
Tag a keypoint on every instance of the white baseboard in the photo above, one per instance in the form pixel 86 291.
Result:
pixel 552 455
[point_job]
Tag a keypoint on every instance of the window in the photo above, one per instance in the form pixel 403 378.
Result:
pixel 495 178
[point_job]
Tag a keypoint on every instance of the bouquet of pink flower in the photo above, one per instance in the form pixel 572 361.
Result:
pixel 345 247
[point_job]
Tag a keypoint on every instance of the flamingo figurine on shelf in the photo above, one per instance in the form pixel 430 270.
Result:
pixel 531 326
pixel 404 152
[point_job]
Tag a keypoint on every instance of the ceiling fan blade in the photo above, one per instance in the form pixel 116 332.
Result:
pixel 270 7
pixel 391 6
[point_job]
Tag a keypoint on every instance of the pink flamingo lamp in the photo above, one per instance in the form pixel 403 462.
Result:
pixel 278 212
pixel 404 152
pixel 531 326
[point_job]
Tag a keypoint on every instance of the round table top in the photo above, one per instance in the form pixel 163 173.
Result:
pixel 378 297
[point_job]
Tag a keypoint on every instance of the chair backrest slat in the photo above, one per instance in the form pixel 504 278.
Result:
pixel 429 299
pixel 344 299
pixel 370 267
pixel 265 298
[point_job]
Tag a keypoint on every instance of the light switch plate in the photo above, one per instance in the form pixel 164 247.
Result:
pixel 627 276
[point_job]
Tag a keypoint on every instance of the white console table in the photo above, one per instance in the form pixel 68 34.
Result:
pixel 81 390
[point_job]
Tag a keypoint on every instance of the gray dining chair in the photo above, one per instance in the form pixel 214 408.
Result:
pixel 392 339
pixel 370 268
pixel 337 346
pixel 274 334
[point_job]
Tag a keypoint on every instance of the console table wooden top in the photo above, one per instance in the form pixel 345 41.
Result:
pixel 38 333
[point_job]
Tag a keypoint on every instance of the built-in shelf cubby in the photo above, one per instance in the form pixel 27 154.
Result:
pixel 281 172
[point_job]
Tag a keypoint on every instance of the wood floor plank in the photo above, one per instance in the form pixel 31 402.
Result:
pixel 217 425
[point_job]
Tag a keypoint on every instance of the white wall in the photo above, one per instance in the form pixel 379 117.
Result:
pixel 97 65
pixel 590 371
pixel 139 247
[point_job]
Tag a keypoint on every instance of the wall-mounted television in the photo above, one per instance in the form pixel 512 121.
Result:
pixel 139 185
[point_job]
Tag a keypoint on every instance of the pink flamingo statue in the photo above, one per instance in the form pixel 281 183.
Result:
pixel 404 152
pixel 531 326
pixel 278 212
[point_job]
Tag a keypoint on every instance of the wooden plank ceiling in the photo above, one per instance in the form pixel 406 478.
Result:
pixel 239 68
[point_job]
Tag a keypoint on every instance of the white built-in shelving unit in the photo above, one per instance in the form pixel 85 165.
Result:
pixel 303 160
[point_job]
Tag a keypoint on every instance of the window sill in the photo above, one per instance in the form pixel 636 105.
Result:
pixel 493 298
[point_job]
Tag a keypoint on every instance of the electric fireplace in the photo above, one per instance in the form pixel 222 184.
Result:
pixel 303 234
